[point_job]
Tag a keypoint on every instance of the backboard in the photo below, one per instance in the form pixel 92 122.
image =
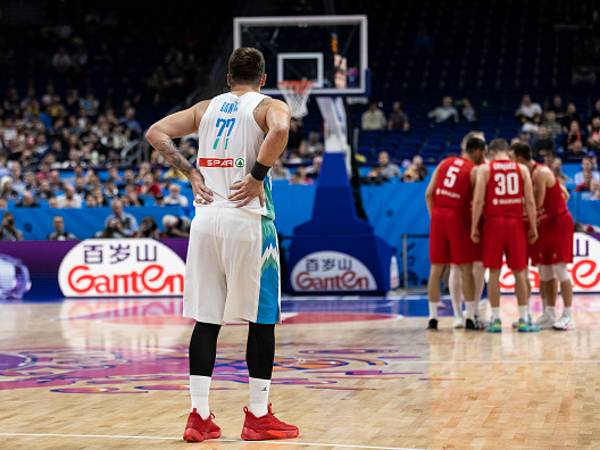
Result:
pixel 330 51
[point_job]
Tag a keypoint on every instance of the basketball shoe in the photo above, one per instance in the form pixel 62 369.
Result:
pixel 526 326
pixel 432 324
pixel 495 326
pixel 459 321
pixel 564 323
pixel 198 430
pixel 546 320
pixel 267 427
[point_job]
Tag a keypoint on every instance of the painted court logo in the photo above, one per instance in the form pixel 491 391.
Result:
pixel 86 370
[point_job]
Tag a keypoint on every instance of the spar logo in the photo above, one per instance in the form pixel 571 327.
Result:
pixel 331 271
pixel 121 267
pixel 584 271
pixel 221 163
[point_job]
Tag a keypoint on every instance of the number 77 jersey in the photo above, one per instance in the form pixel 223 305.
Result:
pixel 453 187
pixel 504 190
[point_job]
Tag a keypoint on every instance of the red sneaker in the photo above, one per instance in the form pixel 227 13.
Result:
pixel 267 427
pixel 198 430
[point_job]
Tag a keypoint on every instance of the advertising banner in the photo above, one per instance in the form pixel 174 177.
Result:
pixel 121 268
pixel 329 271
pixel 49 270
pixel 584 271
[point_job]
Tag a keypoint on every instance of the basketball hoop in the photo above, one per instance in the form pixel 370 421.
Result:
pixel 296 94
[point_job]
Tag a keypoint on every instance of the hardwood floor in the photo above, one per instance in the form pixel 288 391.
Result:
pixel 113 375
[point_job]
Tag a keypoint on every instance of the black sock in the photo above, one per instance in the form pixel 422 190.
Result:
pixel 260 350
pixel 203 348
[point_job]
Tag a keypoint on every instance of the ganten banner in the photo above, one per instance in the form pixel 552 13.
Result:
pixel 48 270
pixel 584 271
pixel 121 268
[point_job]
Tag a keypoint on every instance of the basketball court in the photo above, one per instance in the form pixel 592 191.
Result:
pixel 352 371
pixel 356 373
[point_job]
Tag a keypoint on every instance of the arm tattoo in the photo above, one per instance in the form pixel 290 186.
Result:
pixel 167 148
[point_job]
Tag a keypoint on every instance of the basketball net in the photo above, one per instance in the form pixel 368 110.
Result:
pixel 296 94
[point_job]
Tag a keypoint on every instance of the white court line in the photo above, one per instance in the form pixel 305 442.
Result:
pixel 488 361
pixel 165 438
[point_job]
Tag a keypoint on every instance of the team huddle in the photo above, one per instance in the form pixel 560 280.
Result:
pixel 495 202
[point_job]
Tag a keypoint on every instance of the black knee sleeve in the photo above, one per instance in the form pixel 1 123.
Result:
pixel 260 350
pixel 203 348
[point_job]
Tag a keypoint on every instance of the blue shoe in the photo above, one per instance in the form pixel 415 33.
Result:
pixel 495 326
pixel 525 326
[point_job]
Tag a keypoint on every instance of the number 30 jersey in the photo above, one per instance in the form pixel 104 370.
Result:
pixel 504 191
pixel 229 140
pixel 453 187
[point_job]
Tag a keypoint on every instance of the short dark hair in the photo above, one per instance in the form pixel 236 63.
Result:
pixel 246 65
pixel 521 150
pixel 473 144
pixel 498 145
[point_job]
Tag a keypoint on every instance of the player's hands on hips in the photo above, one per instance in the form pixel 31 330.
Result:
pixel 475 235
pixel 202 194
pixel 247 190
pixel 532 235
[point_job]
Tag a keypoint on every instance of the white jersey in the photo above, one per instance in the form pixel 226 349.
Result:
pixel 228 143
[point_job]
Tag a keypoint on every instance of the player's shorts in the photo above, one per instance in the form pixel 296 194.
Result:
pixel 555 242
pixel 232 268
pixel 504 235
pixel 449 240
pixel 532 253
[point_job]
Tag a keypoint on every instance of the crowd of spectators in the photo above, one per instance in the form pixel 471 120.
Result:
pixel 46 129
pixel 559 127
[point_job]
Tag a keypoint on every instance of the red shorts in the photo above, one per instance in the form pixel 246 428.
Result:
pixel 449 240
pixel 504 235
pixel 555 244
pixel 532 253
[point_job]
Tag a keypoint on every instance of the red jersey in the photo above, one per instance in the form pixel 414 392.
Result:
pixel 504 191
pixel 554 203
pixel 453 188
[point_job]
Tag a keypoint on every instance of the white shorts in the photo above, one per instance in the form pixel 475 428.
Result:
pixel 232 268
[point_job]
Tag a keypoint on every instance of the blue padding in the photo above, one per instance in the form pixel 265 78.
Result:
pixel 333 210
pixel 36 223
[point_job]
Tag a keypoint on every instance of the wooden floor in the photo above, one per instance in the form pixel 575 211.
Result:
pixel 113 375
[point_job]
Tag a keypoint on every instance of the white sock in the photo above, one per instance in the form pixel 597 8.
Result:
pixel 199 389
pixel 551 311
pixel 495 312
pixel 568 311
pixel 455 288
pixel 259 396
pixel 433 310
pixel 523 310
pixel 471 307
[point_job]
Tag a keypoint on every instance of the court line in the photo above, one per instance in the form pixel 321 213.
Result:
pixel 165 438
pixel 491 361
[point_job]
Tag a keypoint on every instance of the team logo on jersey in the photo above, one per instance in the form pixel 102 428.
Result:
pixel 221 163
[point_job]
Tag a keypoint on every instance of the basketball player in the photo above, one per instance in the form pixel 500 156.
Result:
pixel 232 268
pixel 554 247
pixel 455 278
pixel 499 191
pixel 448 198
